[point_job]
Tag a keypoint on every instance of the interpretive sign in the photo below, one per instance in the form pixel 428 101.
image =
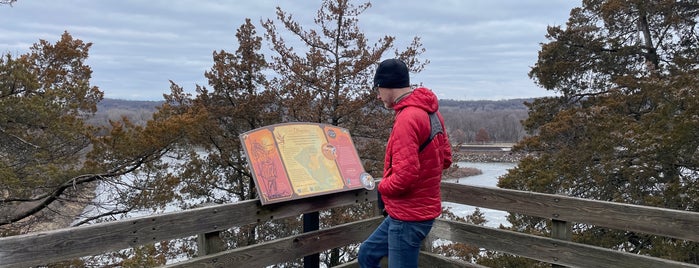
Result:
pixel 296 160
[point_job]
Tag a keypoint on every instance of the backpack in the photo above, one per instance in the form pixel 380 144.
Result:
pixel 435 128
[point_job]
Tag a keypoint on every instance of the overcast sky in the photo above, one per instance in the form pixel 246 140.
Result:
pixel 478 50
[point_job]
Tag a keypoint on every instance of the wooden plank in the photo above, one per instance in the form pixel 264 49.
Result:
pixel 545 249
pixel 651 220
pixel 351 264
pixel 432 260
pixel 288 248
pixel 426 259
pixel 69 243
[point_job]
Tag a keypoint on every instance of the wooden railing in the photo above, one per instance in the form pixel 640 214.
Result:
pixel 563 211
pixel 64 244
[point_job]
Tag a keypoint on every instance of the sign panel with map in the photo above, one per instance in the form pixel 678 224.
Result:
pixel 296 160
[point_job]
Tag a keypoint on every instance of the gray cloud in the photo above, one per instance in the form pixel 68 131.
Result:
pixel 477 49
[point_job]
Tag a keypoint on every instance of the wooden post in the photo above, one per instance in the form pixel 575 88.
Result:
pixel 210 243
pixel 428 242
pixel 562 230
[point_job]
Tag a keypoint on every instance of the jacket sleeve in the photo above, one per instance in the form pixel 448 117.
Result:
pixel 404 163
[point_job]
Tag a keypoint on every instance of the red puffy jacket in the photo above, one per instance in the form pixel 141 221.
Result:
pixel 410 187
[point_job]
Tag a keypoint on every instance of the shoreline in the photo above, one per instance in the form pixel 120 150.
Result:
pixel 486 157
pixel 478 157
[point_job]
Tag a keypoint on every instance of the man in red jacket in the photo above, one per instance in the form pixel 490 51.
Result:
pixel 410 187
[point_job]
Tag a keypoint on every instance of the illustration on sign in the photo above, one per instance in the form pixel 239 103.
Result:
pixel 296 160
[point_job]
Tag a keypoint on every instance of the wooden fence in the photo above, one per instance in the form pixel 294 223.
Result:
pixel 69 243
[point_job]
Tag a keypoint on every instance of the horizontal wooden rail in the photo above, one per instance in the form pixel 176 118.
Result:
pixel 426 259
pixel 432 260
pixel 69 243
pixel 651 220
pixel 52 246
pixel 545 249
pixel 286 249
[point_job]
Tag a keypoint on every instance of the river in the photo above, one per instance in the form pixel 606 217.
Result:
pixel 489 178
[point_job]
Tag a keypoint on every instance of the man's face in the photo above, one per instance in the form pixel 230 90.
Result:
pixel 385 96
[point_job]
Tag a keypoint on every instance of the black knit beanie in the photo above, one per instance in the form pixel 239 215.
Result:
pixel 392 73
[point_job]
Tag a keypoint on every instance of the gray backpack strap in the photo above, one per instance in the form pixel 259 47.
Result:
pixel 435 128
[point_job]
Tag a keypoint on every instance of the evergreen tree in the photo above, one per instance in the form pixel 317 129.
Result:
pixel 330 84
pixel 624 127
pixel 329 81
pixel 45 95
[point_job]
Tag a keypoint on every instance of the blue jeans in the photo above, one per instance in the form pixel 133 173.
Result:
pixel 399 240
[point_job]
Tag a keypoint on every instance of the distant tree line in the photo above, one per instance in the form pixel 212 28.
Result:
pixel 137 112
pixel 468 121
pixel 484 121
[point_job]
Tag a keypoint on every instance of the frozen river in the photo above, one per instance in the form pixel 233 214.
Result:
pixel 489 178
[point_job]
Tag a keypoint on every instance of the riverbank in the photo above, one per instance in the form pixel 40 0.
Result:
pixel 461 172
pixel 479 157
pixel 491 172
pixel 488 156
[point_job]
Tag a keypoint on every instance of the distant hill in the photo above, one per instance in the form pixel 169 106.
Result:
pixel 510 104
pixel 107 104
pixel 472 105
pixel 485 105
pixel 456 112
pixel 138 112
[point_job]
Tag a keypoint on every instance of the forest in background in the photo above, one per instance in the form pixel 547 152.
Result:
pixel 500 119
